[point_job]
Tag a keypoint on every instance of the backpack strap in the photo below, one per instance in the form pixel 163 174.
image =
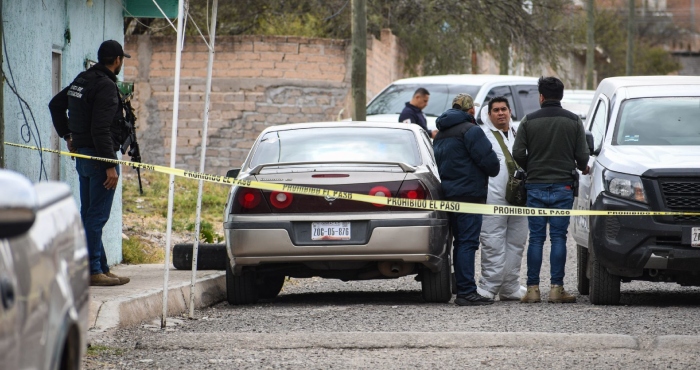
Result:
pixel 510 162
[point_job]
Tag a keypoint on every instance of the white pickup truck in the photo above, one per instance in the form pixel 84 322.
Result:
pixel 44 278
pixel 646 157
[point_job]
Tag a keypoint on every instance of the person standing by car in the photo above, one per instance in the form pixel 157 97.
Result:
pixel 413 112
pixel 93 127
pixel 503 237
pixel 465 162
pixel 550 144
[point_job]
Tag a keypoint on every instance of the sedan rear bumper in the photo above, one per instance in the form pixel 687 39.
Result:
pixel 406 240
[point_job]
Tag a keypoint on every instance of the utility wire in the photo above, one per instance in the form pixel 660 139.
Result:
pixel 338 12
pixel 25 128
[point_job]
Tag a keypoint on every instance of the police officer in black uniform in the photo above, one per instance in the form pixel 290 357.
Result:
pixel 94 127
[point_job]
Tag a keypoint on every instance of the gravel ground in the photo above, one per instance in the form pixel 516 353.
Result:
pixel 648 310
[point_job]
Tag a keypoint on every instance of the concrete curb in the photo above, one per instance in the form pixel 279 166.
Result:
pixel 386 340
pixel 677 342
pixel 147 305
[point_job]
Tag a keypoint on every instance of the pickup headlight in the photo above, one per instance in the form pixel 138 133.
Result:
pixel 625 186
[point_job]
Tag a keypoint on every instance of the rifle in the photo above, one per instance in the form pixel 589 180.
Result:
pixel 130 144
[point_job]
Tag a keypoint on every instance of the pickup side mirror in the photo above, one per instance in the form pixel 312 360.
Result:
pixel 590 142
pixel 17 205
pixel 233 172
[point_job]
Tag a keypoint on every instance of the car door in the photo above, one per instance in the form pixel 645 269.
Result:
pixel 527 98
pixel 597 126
pixel 9 320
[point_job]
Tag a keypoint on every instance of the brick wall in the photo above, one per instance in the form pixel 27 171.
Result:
pixel 257 81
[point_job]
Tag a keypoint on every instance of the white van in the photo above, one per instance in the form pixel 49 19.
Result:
pixel 646 157
pixel 520 91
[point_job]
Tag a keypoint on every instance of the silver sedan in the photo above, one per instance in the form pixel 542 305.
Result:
pixel 271 234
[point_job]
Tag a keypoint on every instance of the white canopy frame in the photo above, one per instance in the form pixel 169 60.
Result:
pixel 173 149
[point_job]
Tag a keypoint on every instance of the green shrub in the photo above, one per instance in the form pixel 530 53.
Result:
pixel 136 250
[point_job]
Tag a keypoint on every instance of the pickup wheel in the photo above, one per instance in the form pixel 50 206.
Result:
pixel 582 265
pixel 240 289
pixel 437 286
pixel 604 286
pixel 269 286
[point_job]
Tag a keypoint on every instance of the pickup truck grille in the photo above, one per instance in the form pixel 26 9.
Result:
pixel 682 195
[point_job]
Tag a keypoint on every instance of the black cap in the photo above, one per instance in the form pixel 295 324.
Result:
pixel 111 48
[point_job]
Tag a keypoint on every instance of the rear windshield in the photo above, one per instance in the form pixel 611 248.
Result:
pixel 659 121
pixel 337 144
pixel 394 98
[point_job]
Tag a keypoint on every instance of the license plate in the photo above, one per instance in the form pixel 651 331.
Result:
pixel 330 231
pixel 695 237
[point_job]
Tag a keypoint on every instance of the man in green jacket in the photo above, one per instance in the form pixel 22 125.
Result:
pixel 550 144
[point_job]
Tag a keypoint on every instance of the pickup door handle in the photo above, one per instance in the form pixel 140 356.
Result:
pixel 7 293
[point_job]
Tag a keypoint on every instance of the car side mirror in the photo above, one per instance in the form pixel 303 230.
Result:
pixel 478 117
pixel 17 205
pixel 233 172
pixel 591 143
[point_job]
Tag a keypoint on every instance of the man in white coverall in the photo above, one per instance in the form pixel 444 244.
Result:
pixel 503 238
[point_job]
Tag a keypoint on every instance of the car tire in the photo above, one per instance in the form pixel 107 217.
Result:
pixel 270 286
pixel 584 283
pixel 437 286
pixel 604 286
pixel 209 256
pixel 241 289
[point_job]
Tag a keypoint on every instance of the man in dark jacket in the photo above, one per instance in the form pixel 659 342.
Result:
pixel 465 161
pixel 413 111
pixel 550 144
pixel 93 127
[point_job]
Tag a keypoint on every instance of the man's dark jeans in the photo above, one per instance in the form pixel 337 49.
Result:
pixel 95 206
pixel 556 196
pixel 465 229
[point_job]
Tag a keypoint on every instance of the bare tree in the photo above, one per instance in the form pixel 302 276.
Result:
pixel 439 35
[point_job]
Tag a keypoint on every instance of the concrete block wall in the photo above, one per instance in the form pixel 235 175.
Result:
pixel 257 82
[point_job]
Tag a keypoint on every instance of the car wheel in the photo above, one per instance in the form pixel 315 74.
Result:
pixel 437 286
pixel 270 286
pixel 240 289
pixel 604 286
pixel 582 264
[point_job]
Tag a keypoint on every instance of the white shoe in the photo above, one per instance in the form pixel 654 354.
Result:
pixel 514 296
pixel 485 293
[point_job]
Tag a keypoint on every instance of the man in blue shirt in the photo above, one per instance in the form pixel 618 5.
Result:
pixel 413 112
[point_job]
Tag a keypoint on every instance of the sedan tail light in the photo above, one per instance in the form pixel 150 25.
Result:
pixel 249 201
pixel 281 200
pixel 380 191
pixel 412 189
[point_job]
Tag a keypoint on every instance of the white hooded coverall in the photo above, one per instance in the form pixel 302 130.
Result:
pixel 503 238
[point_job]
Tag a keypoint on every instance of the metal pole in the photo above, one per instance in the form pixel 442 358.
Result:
pixel 173 147
pixel 207 93
pixel 692 17
pixel 358 74
pixel 630 39
pixel 590 38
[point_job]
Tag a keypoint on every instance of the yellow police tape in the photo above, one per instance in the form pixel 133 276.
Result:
pixel 434 205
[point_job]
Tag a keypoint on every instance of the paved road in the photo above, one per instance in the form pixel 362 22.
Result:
pixel 318 323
